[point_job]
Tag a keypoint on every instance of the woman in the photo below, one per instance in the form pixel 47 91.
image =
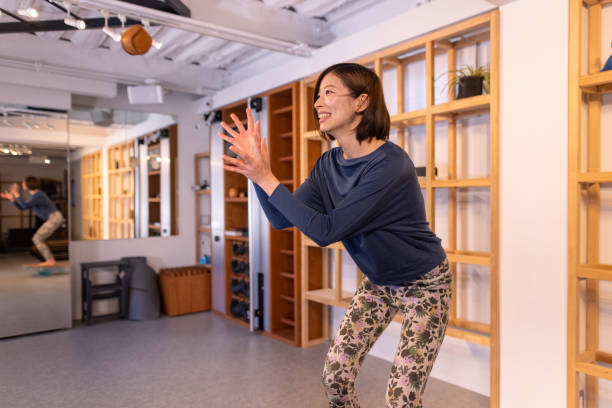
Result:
pixel 43 208
pixel 366 194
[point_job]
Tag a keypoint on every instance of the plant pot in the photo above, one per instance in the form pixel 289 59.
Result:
pixel 469 86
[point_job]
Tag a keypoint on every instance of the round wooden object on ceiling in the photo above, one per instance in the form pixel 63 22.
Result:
pixel 136 41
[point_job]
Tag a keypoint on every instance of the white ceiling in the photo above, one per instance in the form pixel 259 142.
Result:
pixel 189 63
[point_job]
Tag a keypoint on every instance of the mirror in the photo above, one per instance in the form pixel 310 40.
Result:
pixel 123 174
pixel 34 280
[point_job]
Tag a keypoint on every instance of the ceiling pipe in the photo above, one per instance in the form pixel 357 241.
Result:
pixel 189 24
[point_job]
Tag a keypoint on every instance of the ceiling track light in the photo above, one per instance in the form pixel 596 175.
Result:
pixel 107 30
pixel 157 44
pixel 26 10
pixel 71 21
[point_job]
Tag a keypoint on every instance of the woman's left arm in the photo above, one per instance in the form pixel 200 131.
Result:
pixel 356 213
pixel 253 159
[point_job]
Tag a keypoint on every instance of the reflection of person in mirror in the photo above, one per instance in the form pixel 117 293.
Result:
pixel 365 193
pixel 43 208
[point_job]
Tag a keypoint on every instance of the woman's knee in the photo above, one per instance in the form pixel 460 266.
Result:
pixel 337 378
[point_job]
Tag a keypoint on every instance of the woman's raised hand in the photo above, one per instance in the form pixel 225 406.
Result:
pixel 7 195
pixel 253 160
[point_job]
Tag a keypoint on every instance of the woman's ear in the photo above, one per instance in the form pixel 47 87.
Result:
pixel 362 102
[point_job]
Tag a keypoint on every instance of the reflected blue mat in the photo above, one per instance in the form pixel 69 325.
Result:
pixel 46 270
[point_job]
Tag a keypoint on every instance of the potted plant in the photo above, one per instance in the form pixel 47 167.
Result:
pixel 470 81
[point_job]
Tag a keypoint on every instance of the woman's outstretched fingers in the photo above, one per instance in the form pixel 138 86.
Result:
pixel 229 129
pixel 238 123
pixel 249 114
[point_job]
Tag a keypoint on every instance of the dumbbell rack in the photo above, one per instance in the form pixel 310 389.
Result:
pixel 239 282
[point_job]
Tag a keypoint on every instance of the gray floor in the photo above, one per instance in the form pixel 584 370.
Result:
pixel 30 302
pixel 198 360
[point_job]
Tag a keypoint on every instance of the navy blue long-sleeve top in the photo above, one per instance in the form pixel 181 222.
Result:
pixel 40 202
pixel 373 204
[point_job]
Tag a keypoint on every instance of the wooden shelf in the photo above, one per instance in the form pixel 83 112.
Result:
pixel 599 272
pixel 154 200
pixel 287 298
pixel 287 275
pixel 286 110
pixel 287 321
pixel 236 200
pixel 408 118
pixel 288 252
pixel 243 258
pixel 309 242
pixel 154 172
pixel 461 183
pixel 595 177
pixel 468 257
pixel 286 135
pixel 465 105
pixel 595 368
pixel 311 135
pixel 327 297
pixel 285 159
pixel 153 146
pixel 204 229
pixel 203 191
pixel 599 82
pixel 155 227
pixel 236 238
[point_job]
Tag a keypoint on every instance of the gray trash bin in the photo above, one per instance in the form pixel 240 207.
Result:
pixel 144 290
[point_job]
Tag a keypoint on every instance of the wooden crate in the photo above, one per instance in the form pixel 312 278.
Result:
pixel 185 289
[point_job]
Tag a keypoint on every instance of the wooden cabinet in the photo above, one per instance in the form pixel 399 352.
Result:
pixel 588 188
pixel 421 109
pixel 284 245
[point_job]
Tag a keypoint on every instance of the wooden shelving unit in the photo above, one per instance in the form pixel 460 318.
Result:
pixel 202 216
pixel 121 181
pixel 317 293
pixel 91 195
pixel 236 218
pixel 284 245
pixel 586 362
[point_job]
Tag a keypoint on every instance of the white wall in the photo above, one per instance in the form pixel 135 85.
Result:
pixel 533 222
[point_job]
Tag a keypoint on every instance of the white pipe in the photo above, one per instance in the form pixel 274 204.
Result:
pixel 196 26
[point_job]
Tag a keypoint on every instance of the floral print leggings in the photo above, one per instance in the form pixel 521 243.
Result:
pixel 424 304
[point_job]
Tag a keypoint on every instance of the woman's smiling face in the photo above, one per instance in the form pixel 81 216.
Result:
pixel 336 108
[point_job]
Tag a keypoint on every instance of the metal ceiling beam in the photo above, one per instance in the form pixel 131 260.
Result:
pixel 59 25
pixel 243 21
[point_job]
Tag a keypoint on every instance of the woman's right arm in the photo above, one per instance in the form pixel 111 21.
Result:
pixel 305 193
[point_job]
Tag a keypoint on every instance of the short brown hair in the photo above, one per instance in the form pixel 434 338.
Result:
pixel 375 121
pixel 32 183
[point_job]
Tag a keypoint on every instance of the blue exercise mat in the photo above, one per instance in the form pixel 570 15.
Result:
pixel 47 270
